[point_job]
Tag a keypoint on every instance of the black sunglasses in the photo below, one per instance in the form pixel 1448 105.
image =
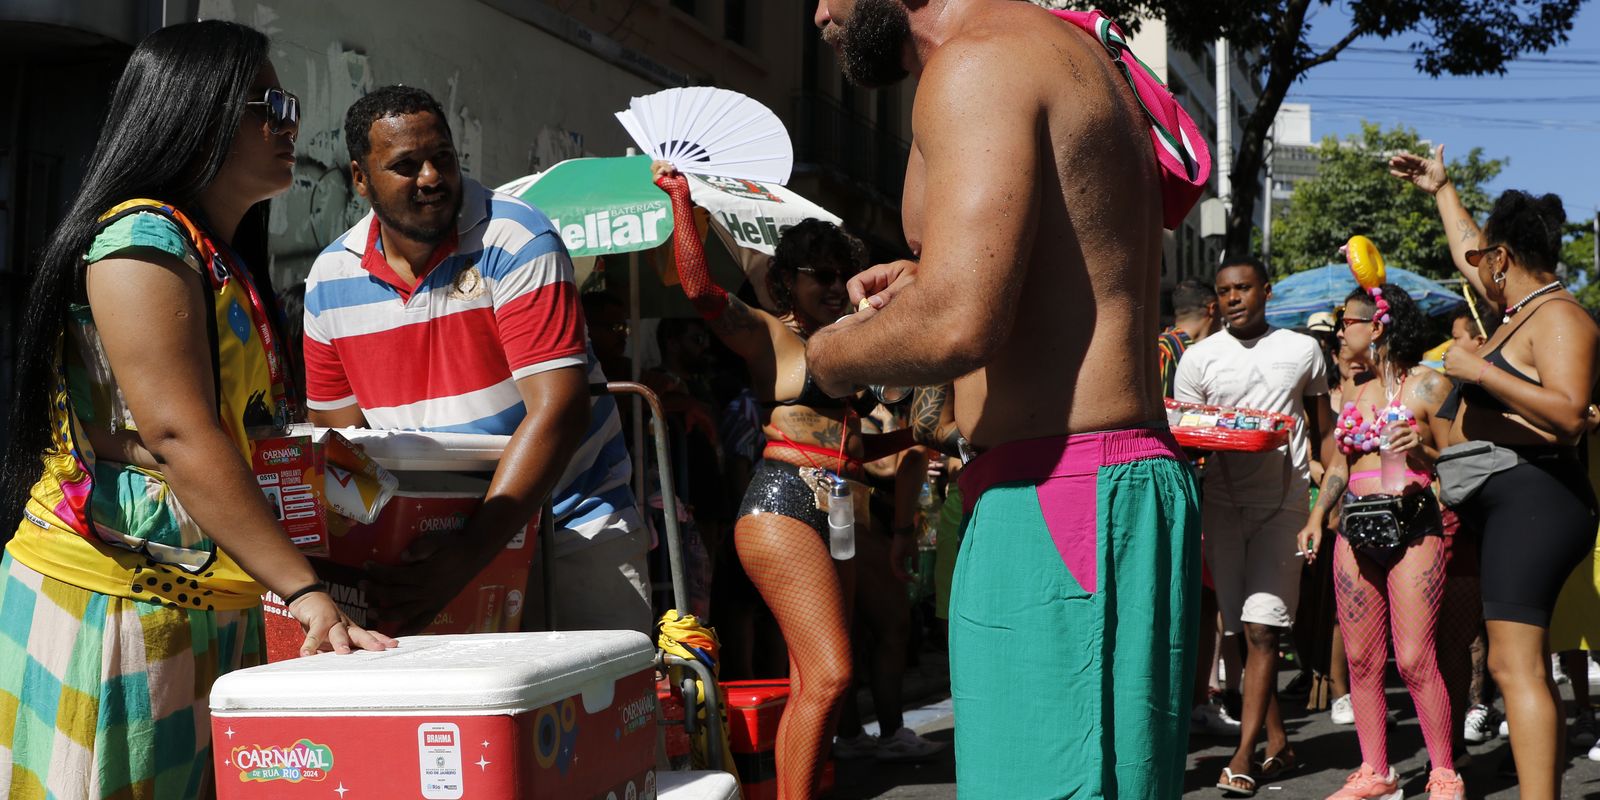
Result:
pixel 283 109
pixel 827 275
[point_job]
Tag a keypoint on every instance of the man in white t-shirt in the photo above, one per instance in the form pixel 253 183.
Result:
pixel 1254 504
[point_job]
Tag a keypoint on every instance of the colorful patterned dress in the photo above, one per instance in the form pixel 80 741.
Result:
pixel 116 612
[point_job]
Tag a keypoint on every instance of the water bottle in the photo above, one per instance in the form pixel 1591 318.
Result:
pixel 1393 468
pixel 841 521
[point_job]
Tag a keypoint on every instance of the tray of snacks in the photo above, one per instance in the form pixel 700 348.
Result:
pixel 1223 429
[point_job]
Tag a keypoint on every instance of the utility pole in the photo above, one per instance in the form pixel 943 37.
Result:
pixel 1266 206
pixel 1224 126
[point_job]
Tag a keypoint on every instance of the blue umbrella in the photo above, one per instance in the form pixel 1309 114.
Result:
pixel 1304 293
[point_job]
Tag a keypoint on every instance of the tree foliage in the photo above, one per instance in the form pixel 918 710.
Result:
pixel 1455 37
pixel 1353 193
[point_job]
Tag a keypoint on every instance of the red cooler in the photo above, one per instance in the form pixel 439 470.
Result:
pixel 754 710
pixel 481 717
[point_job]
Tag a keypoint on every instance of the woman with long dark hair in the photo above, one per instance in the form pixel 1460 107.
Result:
pixel 1523 403
pixel 813 442
pixel 148 357
pixel 1389 560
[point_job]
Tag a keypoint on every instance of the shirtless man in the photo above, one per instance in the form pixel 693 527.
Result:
pixel 1033 203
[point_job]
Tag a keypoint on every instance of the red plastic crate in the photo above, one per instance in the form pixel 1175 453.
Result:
pixel 754 710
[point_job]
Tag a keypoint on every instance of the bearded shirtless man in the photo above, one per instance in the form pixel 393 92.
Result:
pixel 1033 200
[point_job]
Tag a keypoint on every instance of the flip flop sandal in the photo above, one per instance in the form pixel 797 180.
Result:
pixel 1230 788
pixel 1277 766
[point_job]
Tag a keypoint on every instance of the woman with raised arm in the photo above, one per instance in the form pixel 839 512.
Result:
pixel 140 553
pixel 1512 472
pixel 813 441
pixel 1389 560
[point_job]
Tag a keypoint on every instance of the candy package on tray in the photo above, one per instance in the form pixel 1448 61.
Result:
pixel 1219 428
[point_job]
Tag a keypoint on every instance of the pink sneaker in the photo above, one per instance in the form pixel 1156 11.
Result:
pixel 1444 784
pixel 1365 784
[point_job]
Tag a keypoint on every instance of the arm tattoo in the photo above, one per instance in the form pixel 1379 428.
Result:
pixel 737 318
pixel 927 405
pixel 927 409
pixel 1467 229
pixel 1333 487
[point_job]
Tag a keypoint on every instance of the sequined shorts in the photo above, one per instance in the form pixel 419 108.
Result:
pixel 777 487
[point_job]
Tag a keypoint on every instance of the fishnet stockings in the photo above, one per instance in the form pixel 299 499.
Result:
pixel 810 595
pixel 1404 597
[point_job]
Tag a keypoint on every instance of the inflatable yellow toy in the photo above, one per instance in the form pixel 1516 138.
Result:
pixel 1366 263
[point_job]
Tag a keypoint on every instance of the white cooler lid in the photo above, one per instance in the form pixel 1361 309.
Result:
pixel 422 450
pixel 467 673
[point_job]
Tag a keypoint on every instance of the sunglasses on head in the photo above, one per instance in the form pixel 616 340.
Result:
pixel 1474 256
pixel 827 275
pixel 283 109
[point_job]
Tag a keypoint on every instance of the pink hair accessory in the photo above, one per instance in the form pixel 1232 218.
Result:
pixel 1382 305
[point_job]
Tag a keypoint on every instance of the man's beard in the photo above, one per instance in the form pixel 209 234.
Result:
pixel 414 232
pixel 871 46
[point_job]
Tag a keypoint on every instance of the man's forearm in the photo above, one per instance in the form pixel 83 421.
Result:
pixel 912 341
pixel 533 461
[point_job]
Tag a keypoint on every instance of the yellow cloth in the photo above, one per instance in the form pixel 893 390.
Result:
pixel 679 632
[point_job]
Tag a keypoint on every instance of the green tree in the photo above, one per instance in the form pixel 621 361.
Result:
pixel 1354 193
pixel 1455 37
pixel 1578 254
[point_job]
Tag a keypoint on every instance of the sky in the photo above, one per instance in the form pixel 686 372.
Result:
pixel 1543 115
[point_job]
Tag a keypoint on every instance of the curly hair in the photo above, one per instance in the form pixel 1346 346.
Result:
pixel 1408 334
pixel 811 243
pixel 385 101
pixel 1530 226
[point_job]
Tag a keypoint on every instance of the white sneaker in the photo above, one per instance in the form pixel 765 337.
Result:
pixel 906 745
pixel 855 748
pixel 1594 753
pixel 1212 720
pixel 1556 671
pixel 1343 712
pixel 1480 725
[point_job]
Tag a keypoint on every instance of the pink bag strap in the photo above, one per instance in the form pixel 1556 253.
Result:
pixel 1181 150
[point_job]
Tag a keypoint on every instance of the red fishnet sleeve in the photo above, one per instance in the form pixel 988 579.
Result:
pixel 708 298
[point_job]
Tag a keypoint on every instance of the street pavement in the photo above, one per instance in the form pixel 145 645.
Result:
pixel 1328 753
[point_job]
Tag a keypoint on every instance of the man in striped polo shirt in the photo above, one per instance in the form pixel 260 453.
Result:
pixel 452 308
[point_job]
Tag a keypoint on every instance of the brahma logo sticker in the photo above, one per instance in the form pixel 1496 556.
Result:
pixel 304 760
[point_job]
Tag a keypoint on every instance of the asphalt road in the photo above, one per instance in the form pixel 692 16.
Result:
pixel 1329 752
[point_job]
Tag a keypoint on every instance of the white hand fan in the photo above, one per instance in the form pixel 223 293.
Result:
pixel 706 131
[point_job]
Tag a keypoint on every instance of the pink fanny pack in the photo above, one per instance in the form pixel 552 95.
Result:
pixel 1182 152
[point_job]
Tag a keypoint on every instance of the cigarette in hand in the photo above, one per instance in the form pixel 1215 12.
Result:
pixel 1300 553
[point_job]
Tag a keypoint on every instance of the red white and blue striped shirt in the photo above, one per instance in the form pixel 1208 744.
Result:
pixel 497 304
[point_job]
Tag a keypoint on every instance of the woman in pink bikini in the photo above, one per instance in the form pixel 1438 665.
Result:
pixel 1389 562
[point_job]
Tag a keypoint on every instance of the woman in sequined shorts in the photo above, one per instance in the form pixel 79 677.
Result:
pixel 812 439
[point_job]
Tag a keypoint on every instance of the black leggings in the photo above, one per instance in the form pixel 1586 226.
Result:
pixel 1538 522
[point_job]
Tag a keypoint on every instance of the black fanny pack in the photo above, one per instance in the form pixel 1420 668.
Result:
pixel 1383 522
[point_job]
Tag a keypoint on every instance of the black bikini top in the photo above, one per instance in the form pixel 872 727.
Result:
pixel 1477 396
pixel 811 397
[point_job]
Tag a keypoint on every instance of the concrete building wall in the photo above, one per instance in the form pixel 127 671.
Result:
pixel 519 99
pixel 527 84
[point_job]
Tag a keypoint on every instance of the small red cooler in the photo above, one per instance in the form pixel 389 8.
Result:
pixel 482 717
pixel 754 710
